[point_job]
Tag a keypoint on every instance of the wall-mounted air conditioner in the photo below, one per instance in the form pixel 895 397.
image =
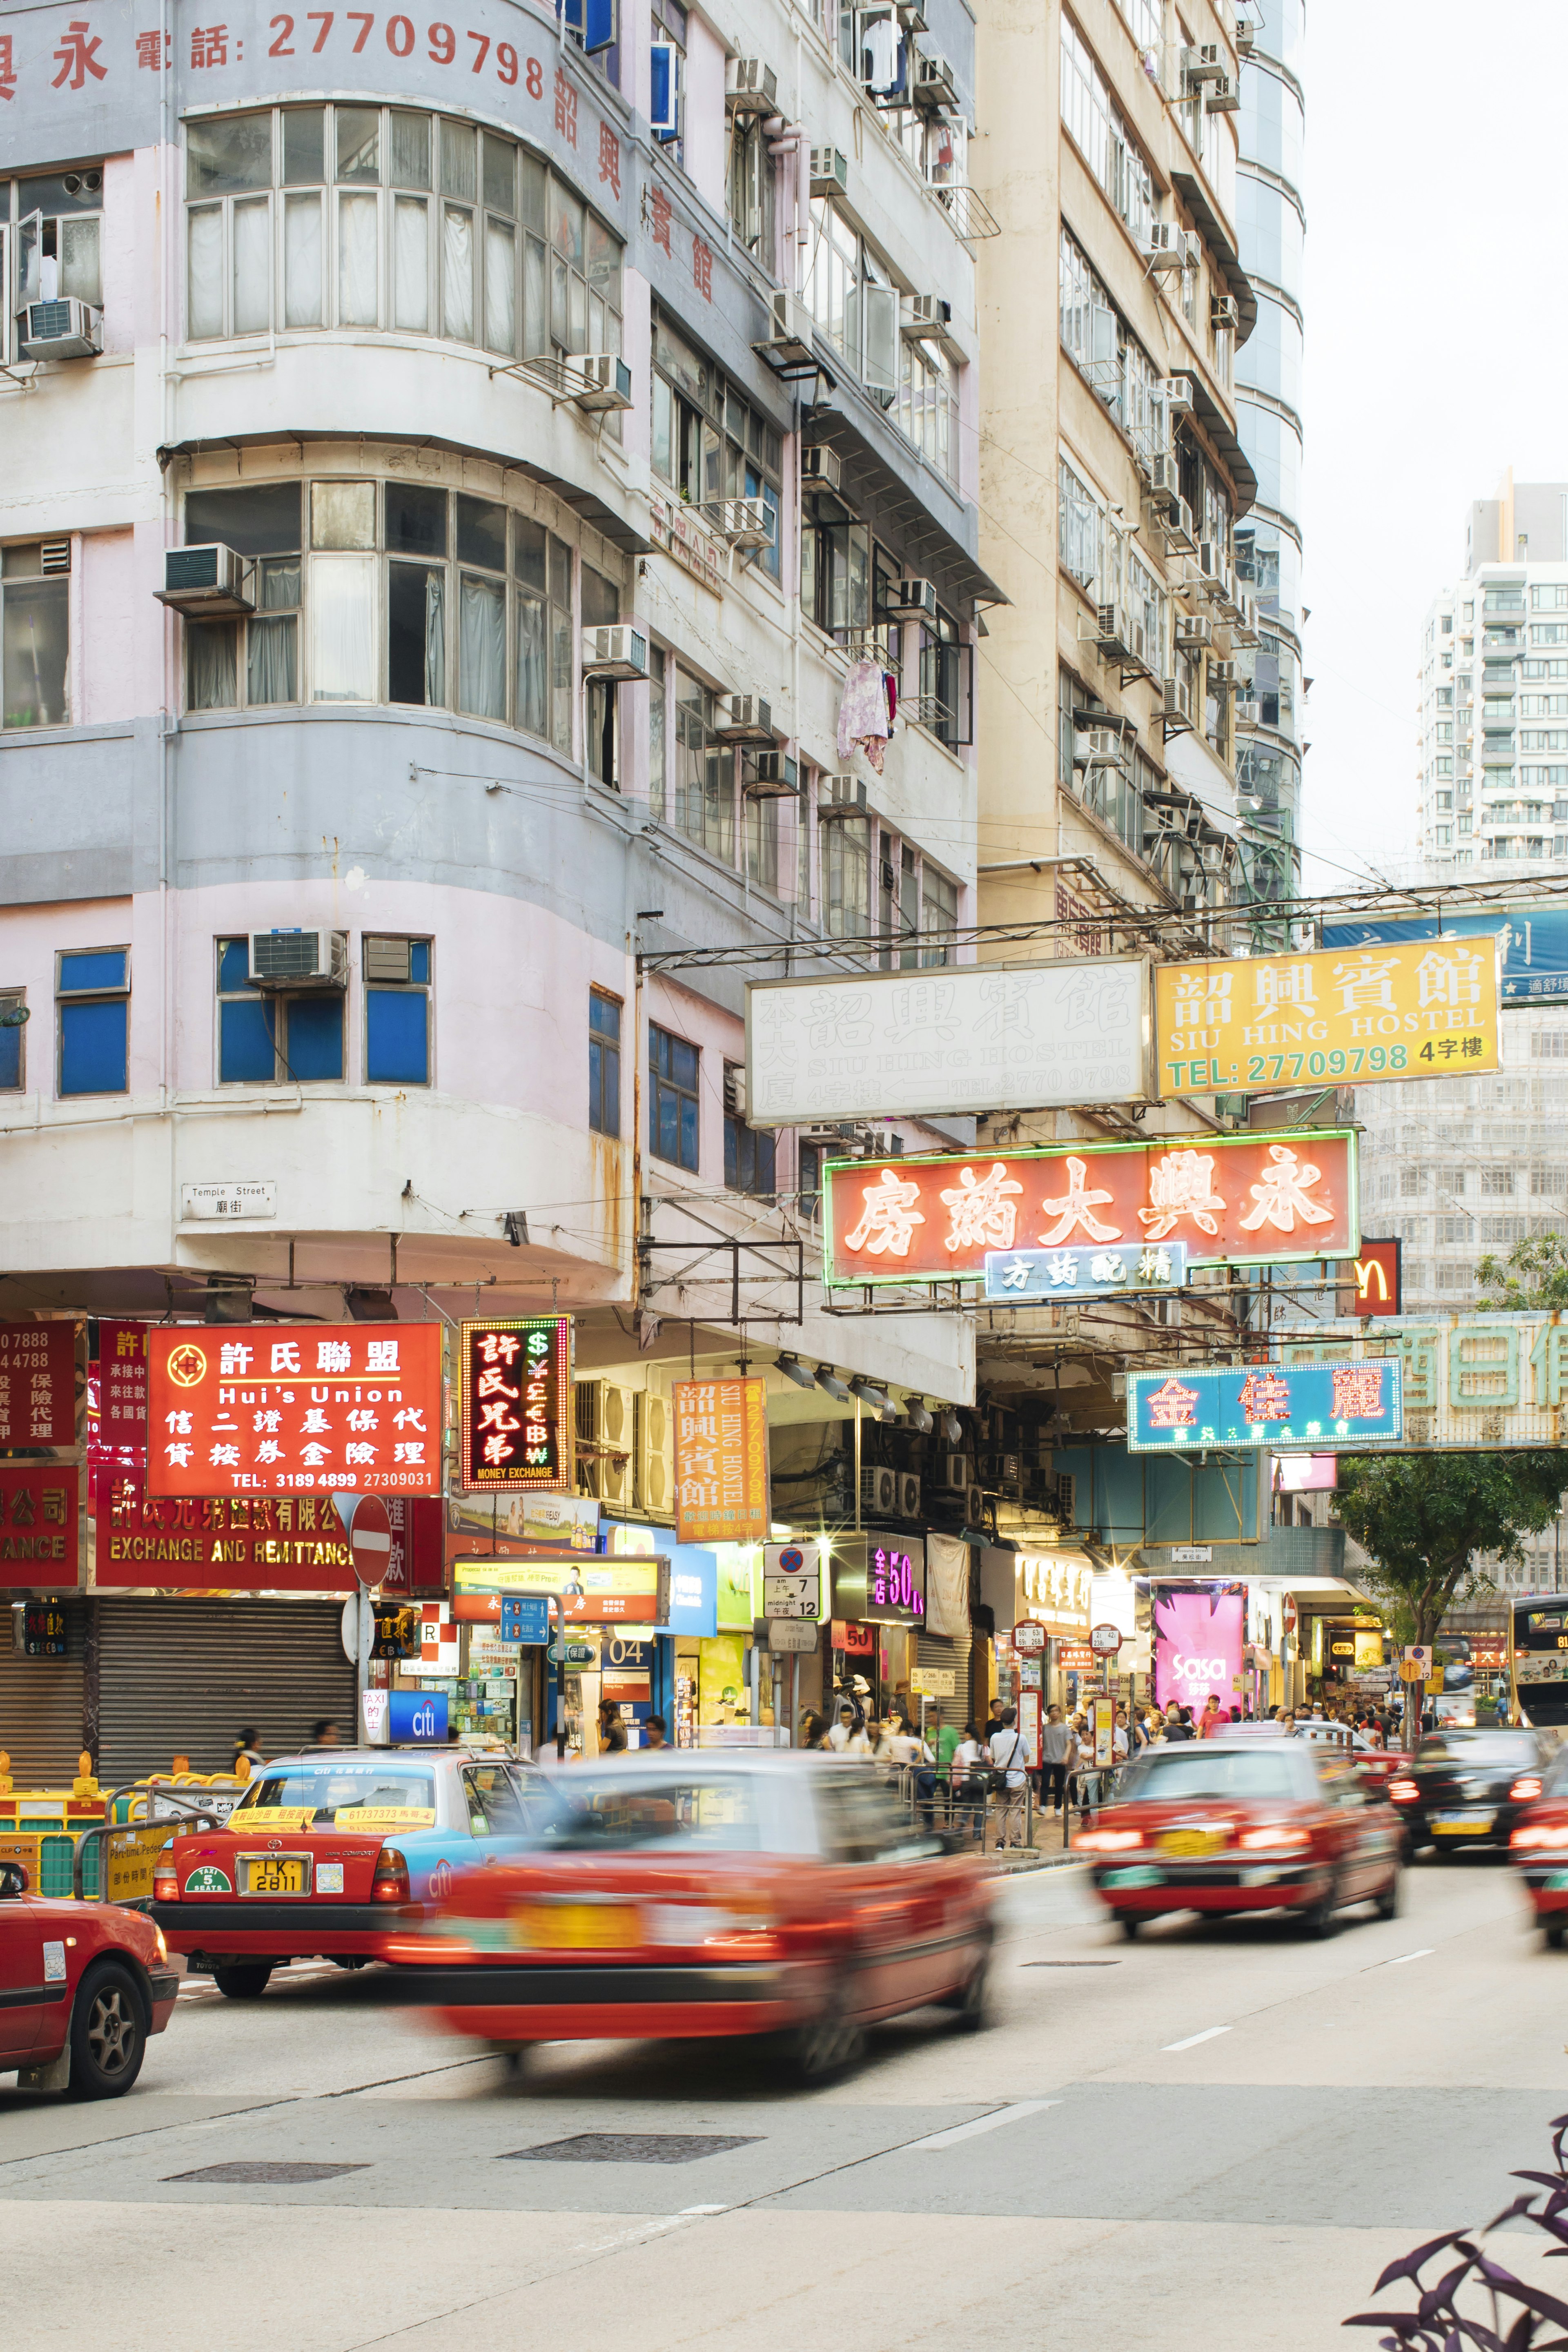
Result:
pixel 773 777
pixel 606 1439
pixel 1177 525
pixel 734 1090
pixel 749 86
pixel 842 796
pixel 926 319
pixel 616 651
pixel 820 468
pixel 1205 63
pixel 880 1491
pixel 63 330
pixel 829 172
pixel 596 379
pixel 1224 313
pixel 298 959
pixel 1221 677
pixel 908 1495
pixel 935 83
pixel 740 522
pixel 1222 96
pixel 1165 476
pixel 1100 747
pixel 1176 394
pixel 655 1454
pixel 744 719
pixel 1178 709
pixel 1163 245
pixel 1193 630
pixel 914 599
pixel 210 582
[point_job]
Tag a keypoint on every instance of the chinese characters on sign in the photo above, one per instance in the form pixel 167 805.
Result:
pixel 356 1406
pixel 44 1630
pixel 971 1038
pixel 879 1579
pixel 121 1389
pixel 38 1383
pixel 40 1523
pixel 1365 1015
pixel 1469 1380
pixel 613 1591
pixel 721 1461
pixel 1265 1405
pixel 516 1406
pixel 1023 1277
pixel 1252 1199
pixel 227 1543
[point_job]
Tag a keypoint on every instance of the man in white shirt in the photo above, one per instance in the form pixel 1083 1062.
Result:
pixel 1055 1759
pixel 1008 1754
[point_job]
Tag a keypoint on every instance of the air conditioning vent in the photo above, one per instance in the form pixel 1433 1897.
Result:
pixel 596 379
pixel 1225 312
pixel 65 330
pixel 927 318
pixel 953 1473
pixel 909 1495
pixel 829 172
pixel 1222 675
pixel 616 651
pixel 771 777
pixel 974 1507
pixel 1178 708
pixel 744 719
pixel 1178 526
pixel 208 582
pixel 55 556
pixel 1163 246
pixel 936 86
pixel 606 1418
pixel 740 522
pixel 383 959
pixel 1193 630
pixel 1201 65
pixel 843 796
pixel 1100 747
pixel 749 86
pixel 734 1090
pixel 1223 97
pixel 295 958
pixel 819 468
pixel 880 1491
pixel 1176 392
pixel 790 332
pixel 1245 631
pixel 914 599
pixel 1166 476
pixel 655 1454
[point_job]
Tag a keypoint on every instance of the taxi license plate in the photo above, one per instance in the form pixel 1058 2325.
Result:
pixel 576 1926
pixel 1192 1842
pixel 274 1874
pixel 1471 1824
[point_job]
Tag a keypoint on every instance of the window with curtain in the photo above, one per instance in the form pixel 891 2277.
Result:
pixel 601 600
pixel 385 219
pixel 35 634
pixel 847 877
pixel 709 441
pixel 704 772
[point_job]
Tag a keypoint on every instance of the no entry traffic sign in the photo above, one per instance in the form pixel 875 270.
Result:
pixel 370 1539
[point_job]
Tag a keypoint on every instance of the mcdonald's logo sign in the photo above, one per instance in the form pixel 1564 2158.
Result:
pixel 1377 1278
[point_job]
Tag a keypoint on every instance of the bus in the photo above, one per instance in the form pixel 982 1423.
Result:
pixel 1538 1659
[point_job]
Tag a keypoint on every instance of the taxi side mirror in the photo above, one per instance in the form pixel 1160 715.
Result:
pixel 13 1880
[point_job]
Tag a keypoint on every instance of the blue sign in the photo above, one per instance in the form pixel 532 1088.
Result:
pixel 627 1657
pixel 693 1574
pixel 418 1716
pixel 525 1619
pixel 1023 1277
pixel 1534 943
pixel 1342 1406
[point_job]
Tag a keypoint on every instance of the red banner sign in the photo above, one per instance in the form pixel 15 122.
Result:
pixel 516 1406
pixel 720 1462
pixel 38 1383
pixel 122 1388
pixel 1378 1278
pixel 40 1530
pixel 264 1410
pixel 217 1543
pixel 1244 1200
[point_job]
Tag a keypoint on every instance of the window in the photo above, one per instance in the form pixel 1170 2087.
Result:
pixel 396 974
pixel 835 570
pixel 709 443
pixel 808 1182
pixel 35 631
pixel 604 1063
pixel 847 877
pixel 1080 527
pixel 368 217
pixel 666 79
pixel 601 600
pixel 59 227
pixel 704 772
pixel 13 1040
pixel 926 410
pixel 268 1038
pixel 1106 353
pixel 850 293
pixel 1108 147
pixel 751 180
pixel 939 916
pixel 943 704
pixel 92 991
pixel 750 1155
pixel 672 1105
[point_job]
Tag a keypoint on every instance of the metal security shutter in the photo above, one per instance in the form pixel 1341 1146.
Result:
pixel 41 1708
pixel 184 1677
pixel 950 1656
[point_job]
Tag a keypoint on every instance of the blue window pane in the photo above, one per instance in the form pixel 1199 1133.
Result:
pixel 666 1125
pixel 605 1016
pixel 396 1036
pixel 98 968
pixel 245 1043
pixel 315 1037
pixel 419 961
pixel 10 1057
pixel 688 1135
pixel 233 965
pixel 683 1064
pixel 92 1048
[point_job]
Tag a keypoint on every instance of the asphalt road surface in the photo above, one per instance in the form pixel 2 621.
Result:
pixel 1213 2136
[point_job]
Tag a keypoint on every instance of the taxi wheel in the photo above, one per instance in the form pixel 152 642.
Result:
pixel 822 2048
pixel 1388 1902
pixel 244 1983
pixel 970 2000
pixel 1321 1918
pixel 347 1960
pixel 1554 1934
pixel 1129 1922
pixel 108 2033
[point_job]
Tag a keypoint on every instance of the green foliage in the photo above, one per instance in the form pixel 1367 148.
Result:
pixel 1533 1274
pixel 1423 1517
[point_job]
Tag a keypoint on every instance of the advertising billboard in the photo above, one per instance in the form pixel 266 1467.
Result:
pixel 1198 1637
pixel 1532 940
pixel 721 1461
pixel 942 1044
pixel 1249 1200
pixel 261 1409
pixel 1468 1381
pixel 1265 1404
pixel 516 1406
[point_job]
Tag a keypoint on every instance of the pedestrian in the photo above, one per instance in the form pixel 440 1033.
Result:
pixel 1212 1721
pixel 324 1733
pixel 808 1731
pixel 843 1729
pixel 994 1721
pixel 1287 1723
pixel 247 1755
pixel 1178 1724
pixel 1056 1751
pixel 655 1729
pixel 1007 1756
pixel 612 1736
pixel 970 1788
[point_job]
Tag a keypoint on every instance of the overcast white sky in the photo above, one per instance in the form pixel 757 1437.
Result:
pixel 1436 350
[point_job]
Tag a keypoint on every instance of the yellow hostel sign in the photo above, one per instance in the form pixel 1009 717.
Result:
pixel 1253 1024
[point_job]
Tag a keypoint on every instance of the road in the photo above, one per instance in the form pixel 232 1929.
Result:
pixel 1215 2136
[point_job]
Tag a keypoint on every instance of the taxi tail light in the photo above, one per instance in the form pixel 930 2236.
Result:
pixel 1107 1841
pixel 1541 1835
pixel 165 1882
pixel 1524 1792
pixel 1403 1792
pixel 1277 1841
pixel 390 1884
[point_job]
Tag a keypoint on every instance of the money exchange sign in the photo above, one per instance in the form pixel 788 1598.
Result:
pixel 1265 1404
pixel 1255 1024
pixel 517 1405
pixel 263 1410
pixel 1249 1199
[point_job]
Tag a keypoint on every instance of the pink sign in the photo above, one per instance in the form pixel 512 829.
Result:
pixel 1197 1647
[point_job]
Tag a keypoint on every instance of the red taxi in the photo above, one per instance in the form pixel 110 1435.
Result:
pixel 1226 1827
pixel 684 1895
pixel 1538 1846
pixel 81 1987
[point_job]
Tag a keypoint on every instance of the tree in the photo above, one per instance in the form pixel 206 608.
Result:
pixel 1423 1517
pixel 1534 1273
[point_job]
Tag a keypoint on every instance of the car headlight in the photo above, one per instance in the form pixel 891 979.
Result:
pixel 162 1947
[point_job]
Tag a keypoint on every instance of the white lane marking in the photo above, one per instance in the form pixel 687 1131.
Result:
pixel 703 2208
pixel 1399 1960
pixel 1009 2114
pixel 1209 2033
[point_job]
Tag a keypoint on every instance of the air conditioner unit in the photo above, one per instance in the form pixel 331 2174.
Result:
pixel 744 719
pixel 912 600
pixel 912 16
pixel 909 1495
pixel 1211 559
pixel 734 1090
pixel 790 330
pixel 1245 38
pixel 1222 675
pixel 1191 248
pixel 1178 708
pixel 1176 392
pixel 845 796
pixel 1165 476
pixel 880 1491
pixel 618 651
pixel 1100 747
pixel 208 582
pixel 952 1473
pixel 596 379
pixel 1224 97
pixel 1178 526
pixel 1246 629
pixel 819 468
pixel 606 1439
pixel 1225 312
pixel 655 1454
pixel 63 330
pixel 1116 632
pixel 927 318
pixel 974 1507
pixel 829 172
pixel 775 777
pixel 1248 713
pixel 1163 246
pixel 749 86
pixel 936 84
pixel 1193 630
pixel 740 522
pixel 294 959
pixel 1204 64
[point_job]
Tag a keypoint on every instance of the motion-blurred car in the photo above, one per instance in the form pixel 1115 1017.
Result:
pixel 1226 1826
pixel 684 1895
pixel 1538 1846
pixel 1466 1789
pixel 82 1985
pixel 327 1853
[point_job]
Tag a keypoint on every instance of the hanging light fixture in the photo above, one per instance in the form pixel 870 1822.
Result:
pixel 918 1418
pixel 793 1370
pixel 951 1427
pixel 826 1378
pixel 867 1392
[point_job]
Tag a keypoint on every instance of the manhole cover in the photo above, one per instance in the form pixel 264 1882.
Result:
pixel 266 2176
pixel 631 2147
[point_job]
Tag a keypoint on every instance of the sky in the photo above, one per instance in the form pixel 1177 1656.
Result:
pixel 1437 356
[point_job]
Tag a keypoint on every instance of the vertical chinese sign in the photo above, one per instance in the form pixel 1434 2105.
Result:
pixel 264 1411
pixel 38 1383
pixel 121 1390
pixel 516 1406
pixel 720 1462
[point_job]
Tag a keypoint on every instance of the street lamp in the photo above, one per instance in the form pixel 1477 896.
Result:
pixel 867 1392
pixel 826 1378
pixel 793 1370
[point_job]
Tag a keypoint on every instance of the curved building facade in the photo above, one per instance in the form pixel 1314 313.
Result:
pixel 1270 224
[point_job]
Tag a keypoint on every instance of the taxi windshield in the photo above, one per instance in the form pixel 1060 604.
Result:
pixel 1175 1778
pixel 706 1812
pixel 327 1790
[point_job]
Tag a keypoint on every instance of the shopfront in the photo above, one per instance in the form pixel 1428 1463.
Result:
pixel 1055 1590
pixel 593 1601
pixel 877 1586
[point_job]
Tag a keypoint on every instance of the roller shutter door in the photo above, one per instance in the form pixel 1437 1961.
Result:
pixel 952 1657
pixel 41 1708
pixel 186 1677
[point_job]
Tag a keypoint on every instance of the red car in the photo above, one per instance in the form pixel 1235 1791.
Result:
pixel 81 1987
pixel 1538 1847
pixel 1225 1827
pixel 683 1896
